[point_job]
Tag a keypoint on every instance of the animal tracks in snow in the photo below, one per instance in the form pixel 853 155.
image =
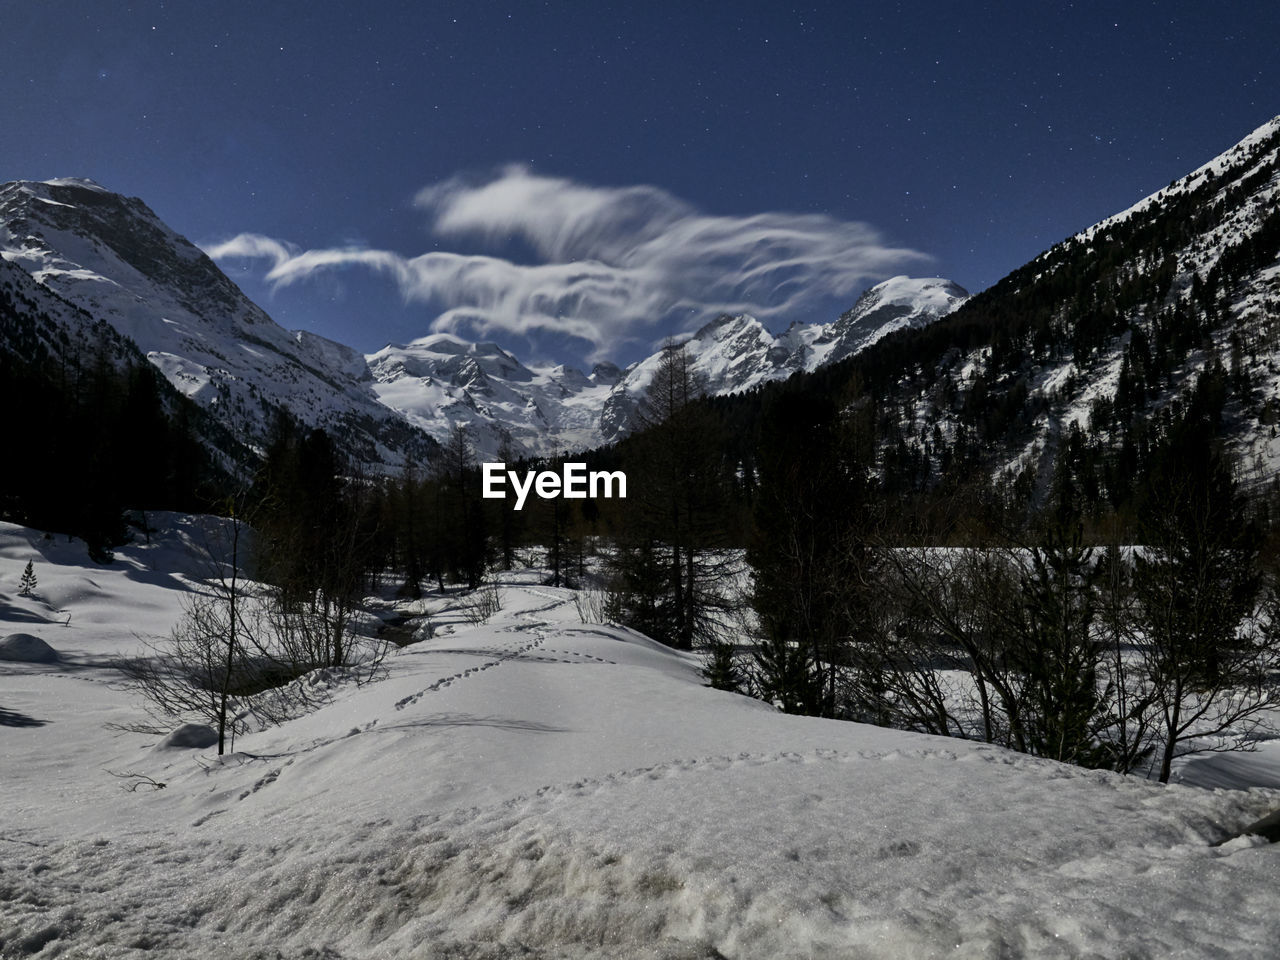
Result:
pixel 501 657
pixel 524 653
pixel 719 764
pixel 531 651
pixel 575 655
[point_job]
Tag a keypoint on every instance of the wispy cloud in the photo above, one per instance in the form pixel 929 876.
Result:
pixel 616 262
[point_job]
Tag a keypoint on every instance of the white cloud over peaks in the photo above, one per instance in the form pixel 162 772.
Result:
pixel 616 261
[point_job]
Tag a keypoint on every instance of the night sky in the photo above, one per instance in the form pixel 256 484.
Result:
pixel 576 180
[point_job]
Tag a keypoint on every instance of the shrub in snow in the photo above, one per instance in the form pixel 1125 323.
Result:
pixel 482 603
pixel 720 669
pixel 592 605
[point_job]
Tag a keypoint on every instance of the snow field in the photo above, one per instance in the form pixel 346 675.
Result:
pixel 537 787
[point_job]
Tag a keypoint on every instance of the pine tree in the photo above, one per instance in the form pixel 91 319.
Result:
pixel 508 524
pixel 721 668
pixel 1060 656
pixel 28 582
pixel 466 544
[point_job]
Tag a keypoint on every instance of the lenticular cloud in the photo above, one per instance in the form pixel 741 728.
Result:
pixel 614 262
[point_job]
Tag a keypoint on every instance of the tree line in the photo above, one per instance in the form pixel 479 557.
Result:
pixel 1084 650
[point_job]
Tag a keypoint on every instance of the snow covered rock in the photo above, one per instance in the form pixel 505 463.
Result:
pixel 189 736
pixel 27 648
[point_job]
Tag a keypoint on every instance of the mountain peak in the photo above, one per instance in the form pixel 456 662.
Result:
pixel 918 293
pixel 83 183
pixel 112 256
pixel 890 305
pixel 606 372
pixel 44 189
pixel 731 353
pixel 726 323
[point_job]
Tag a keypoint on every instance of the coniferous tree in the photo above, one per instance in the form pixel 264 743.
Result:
pixel 509 521
pixel 27 584
pixel 808 556
pixel 409 526
pixel 316 519
pixel 462 527
pixel 1066 709
pixel 669 570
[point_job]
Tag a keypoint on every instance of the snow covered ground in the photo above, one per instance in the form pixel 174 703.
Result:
pixel 540 787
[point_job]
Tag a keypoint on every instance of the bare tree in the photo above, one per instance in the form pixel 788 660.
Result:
pixel 1129 662
pixel 939 658
pixel 240 650
pixel 1133 733
pixel 482 603
pixel 196 672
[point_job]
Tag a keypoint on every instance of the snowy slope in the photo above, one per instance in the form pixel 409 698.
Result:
pixel 539 787
pixel 41 326
pixel 112 257
pixel 1250 151
pixel 43 329
pixel 440 380
pixel 1242 186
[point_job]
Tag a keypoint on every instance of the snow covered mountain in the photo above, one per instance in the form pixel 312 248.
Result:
pixel 1180 291
pixel 1095 347
pixel 115 260
pixel 1099 334
pixel 440 380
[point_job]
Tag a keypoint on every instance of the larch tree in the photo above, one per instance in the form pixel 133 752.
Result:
pixel 669 570
pixel 808 557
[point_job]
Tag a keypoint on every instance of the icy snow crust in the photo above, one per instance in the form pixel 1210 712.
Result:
pixel 537 787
